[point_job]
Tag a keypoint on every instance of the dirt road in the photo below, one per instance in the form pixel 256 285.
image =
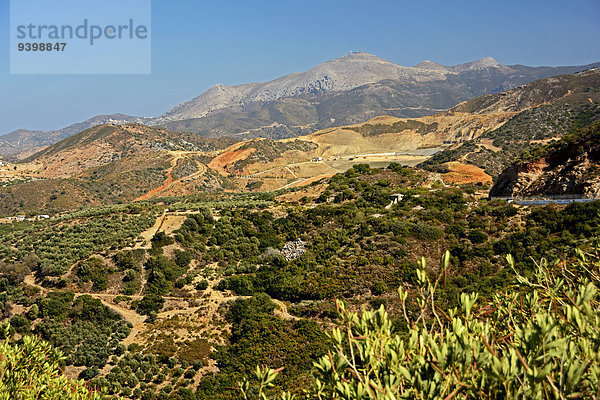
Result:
pixel 170 181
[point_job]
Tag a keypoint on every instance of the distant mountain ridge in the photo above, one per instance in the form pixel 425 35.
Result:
pixel 342 74
pixel 346 90
pixel 345 73
pixel 124 162
pixel 24 139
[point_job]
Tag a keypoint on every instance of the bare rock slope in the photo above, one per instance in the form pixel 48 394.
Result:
pixel 570 167
pixel 345 73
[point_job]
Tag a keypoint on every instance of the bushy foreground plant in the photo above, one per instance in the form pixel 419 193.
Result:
pixel 540 341
pixel 31 371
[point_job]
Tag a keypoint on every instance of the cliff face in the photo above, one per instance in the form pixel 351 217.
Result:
pixel 568 167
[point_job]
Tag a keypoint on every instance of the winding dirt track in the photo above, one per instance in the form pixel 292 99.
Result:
pixel 128 315
pixel 282 311
pixel 213 301
pixel 169 181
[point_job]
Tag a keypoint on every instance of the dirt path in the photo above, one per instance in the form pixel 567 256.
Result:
pixel 128 315
pixel 169 181
pixel 30 280
pixel 291 172
pixel 148 234
pixel 282 311
pixel 291 184
pixel 135 319
pixel 201 171
pixel 286 167
pixel 212 303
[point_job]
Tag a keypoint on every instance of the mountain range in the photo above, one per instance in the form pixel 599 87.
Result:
pixel 472 142
pixel 346 90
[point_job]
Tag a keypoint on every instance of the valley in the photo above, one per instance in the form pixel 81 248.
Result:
pixel 172 279
pixel 169 261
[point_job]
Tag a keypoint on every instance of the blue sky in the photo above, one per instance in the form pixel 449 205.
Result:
pixel 196 44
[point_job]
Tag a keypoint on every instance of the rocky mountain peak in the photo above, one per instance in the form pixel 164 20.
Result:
pixel 487 62
pixel 432 66
pixel 343 73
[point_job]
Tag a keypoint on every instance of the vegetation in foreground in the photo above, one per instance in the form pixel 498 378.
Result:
pixel 226 259
pixel 31 370
pixel 539 342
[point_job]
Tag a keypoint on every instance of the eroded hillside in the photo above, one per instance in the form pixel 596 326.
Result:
pixel 549 109
pixel 569 167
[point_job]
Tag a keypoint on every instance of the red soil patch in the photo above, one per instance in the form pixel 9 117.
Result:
pixel 159 189
pixel 464 174
pixel 224 160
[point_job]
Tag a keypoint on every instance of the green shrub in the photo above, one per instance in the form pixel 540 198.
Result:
pixel 202 285
pixel 31 370
pixel 477 237
pixel 538 342
pixel 379 288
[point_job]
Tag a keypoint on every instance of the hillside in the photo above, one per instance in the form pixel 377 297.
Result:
pixel 569 167
pixel 546 110
pixel 531 95
pixel 182 298
pixel 110 164
pixel 23 143
pixel 104 144
pixel 477 139
pixel 263 164
pixel 114 163
pixel 343 91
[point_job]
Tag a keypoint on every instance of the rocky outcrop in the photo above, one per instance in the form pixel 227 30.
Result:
pixel 293 249
pixel 570 167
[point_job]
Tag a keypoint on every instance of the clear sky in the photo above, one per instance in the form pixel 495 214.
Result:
pixel 197 43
